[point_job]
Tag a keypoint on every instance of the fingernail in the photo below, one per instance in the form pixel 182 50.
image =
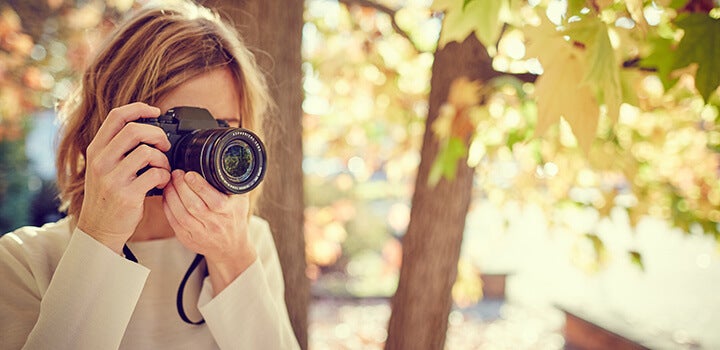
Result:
pixel 191 177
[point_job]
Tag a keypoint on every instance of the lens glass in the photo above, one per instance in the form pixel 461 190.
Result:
pixel 237 160
pixel 231 159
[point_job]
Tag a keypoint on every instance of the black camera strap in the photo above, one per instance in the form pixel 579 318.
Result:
pixel 181 289
pixel 129 254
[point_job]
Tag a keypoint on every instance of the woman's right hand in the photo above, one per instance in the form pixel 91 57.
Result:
pixel 114 194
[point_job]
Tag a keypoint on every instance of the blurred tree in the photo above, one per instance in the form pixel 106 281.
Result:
pixel 431 246
pixel 277 49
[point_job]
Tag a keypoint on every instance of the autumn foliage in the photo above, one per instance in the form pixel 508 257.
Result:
pixel 622 113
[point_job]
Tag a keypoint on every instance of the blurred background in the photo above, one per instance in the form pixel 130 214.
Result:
pixel 587 134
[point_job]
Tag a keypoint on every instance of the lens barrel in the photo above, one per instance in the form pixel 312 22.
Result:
pixel 230 159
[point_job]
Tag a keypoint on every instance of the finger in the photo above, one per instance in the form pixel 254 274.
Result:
pixel 118 117
pixel 172 220
pixel 190 200
pixel 134 134
pixel 151 178
pixel 215 200
pixel 180 232
pixel 126 141
pixel 185 220
pixel 143 156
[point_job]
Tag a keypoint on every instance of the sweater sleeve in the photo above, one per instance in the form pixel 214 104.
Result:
pixel 250 313
pixel 87 305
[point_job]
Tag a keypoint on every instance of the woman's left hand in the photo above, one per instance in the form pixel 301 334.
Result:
pixel 210 223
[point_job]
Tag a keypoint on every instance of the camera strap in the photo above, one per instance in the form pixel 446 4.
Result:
pixel 181 288
pixel 129 254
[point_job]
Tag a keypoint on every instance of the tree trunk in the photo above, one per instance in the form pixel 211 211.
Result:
pixel 273 30
pixel 431 246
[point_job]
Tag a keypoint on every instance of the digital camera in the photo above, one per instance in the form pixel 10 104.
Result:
pixel 231 159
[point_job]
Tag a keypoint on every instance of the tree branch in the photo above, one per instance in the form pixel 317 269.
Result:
pixel 384 9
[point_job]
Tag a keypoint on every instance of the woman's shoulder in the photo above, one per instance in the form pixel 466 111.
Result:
pixel 259 233
pixel 258 224
pixel 42 245
pixel 258 229
pixel 48 234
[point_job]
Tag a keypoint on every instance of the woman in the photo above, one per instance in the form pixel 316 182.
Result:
pixel 72 284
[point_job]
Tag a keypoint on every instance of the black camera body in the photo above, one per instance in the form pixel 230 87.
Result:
pixel 231 159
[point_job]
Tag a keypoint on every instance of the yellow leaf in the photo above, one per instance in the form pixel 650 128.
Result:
pixel 456 24
pixel 483 17
pixel 454 116
pixel 443 124
pixel 560 91
pixel 543 41
pixel 467 289
pixel 603 72
pixel 464 93
pixel 487 15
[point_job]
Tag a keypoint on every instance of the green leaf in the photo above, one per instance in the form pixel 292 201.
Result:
pixel 627 78
pixel 661 58
pixel 677 4
pixel 575 6
pixel 446 161
pixel 465 3
pixel 701 45
pixel 517 135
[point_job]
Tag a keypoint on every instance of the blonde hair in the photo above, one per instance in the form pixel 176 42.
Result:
pixel 154 51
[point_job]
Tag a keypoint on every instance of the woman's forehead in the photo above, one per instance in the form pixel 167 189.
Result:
pixel 216 90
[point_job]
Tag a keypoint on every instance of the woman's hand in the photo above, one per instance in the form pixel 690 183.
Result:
pixel 114 193
pixel 210 223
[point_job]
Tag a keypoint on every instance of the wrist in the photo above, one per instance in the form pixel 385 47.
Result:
pixel 110 241
pixel 224 270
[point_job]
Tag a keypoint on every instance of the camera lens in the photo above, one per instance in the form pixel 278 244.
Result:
pixel 237 160
pixel 230 159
